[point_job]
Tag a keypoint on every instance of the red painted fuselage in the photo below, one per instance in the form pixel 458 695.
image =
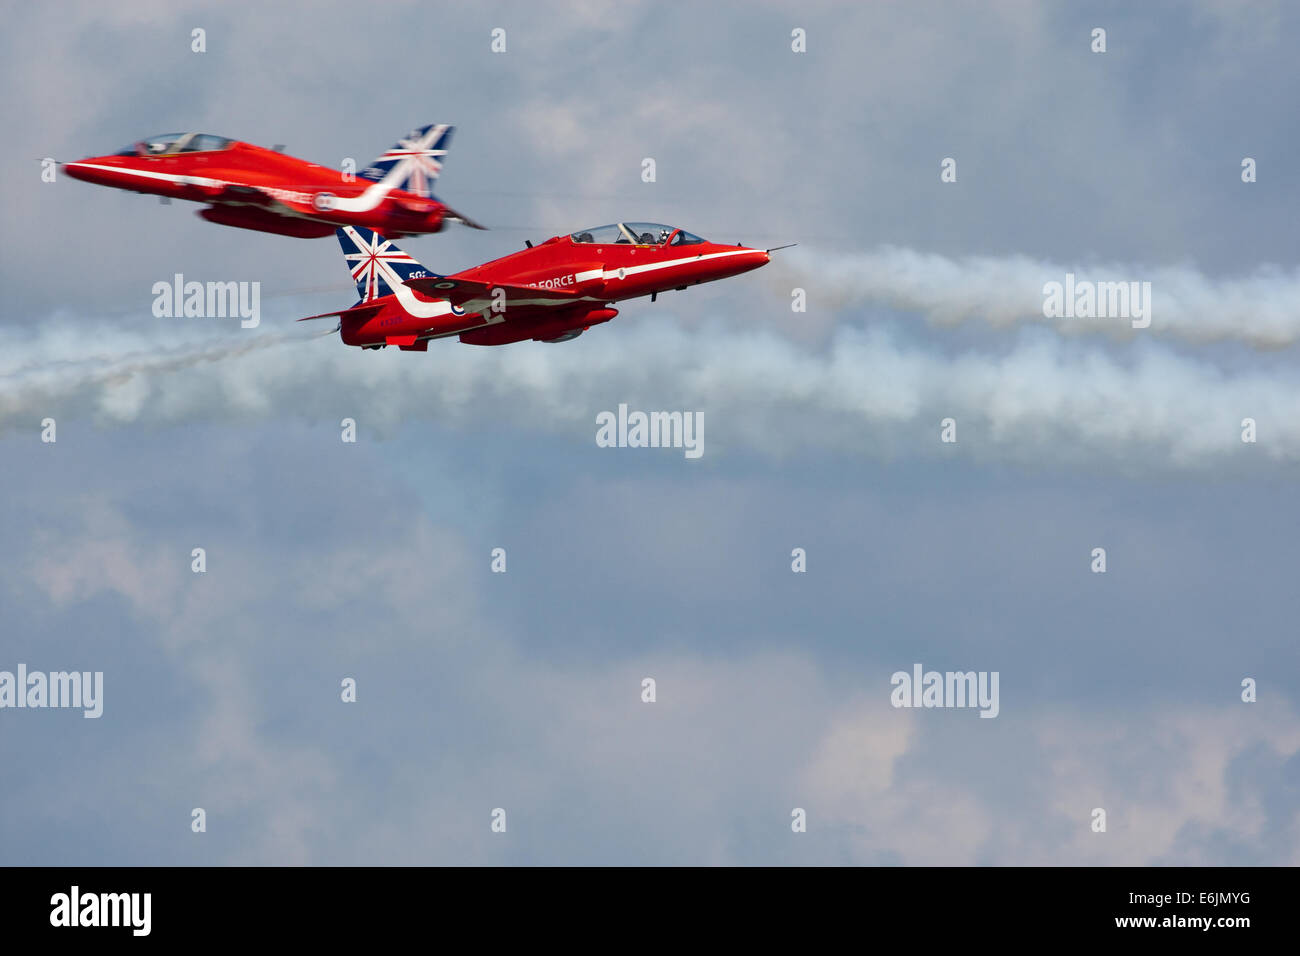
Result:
pixel 549 292
pixel 251 187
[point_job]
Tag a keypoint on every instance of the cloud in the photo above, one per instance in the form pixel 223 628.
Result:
pixel 225 688
pixel 913 789
pixel 1041 400
pixel 324 560
pixel 1261 309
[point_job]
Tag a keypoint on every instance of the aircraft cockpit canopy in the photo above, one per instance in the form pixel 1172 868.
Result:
pixel 636 233
pixel 169 144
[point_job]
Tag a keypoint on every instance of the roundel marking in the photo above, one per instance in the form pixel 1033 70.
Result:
pixel 323 201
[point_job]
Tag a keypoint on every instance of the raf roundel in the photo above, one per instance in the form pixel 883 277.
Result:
pixel 323 201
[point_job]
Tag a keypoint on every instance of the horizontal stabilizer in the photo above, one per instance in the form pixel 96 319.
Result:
pixel 454 216
pixel 361 313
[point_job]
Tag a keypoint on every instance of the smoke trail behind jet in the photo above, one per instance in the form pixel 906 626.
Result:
pixel 1261 309
pixel 1044 400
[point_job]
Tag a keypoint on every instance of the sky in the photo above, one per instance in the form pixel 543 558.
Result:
pixel 517 698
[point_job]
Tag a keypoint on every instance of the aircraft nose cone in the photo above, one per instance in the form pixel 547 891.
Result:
pixel 85 169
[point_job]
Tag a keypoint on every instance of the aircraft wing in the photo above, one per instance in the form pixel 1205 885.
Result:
pixel 360 312
pixel 237 192
pixel 225 191
pixel 460 291
pixel 282 200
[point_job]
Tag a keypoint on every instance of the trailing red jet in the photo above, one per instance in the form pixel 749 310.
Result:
pixel 551 292
pixel 255 188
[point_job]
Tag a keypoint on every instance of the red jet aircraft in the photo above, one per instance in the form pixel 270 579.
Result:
pixel 256 188
pixel 551 292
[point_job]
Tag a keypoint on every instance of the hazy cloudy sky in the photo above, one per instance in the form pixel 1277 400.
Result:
pixel 523 690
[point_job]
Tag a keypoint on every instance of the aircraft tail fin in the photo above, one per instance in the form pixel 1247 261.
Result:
pixel 413 163
pixel 377 266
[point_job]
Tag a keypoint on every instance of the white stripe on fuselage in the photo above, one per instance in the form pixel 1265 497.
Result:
pixel 421 309
pixel 368 200
pixel 581 277
pixel 373 195
pixel 164 177
pixel 654 266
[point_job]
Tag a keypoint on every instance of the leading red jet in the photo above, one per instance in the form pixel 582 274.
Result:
pixel 551 292
pixel 256 188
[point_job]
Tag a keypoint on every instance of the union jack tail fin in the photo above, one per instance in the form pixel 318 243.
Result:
pixel 377 266
pixel 414 162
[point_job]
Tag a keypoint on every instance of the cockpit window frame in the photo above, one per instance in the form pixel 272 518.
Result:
pixel 625 235
pixel 223 143
pixel 179 144
pixel 605 238
pixel 173 147
pixel 655 230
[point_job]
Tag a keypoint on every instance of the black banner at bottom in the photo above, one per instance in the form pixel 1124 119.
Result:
pixel 656 906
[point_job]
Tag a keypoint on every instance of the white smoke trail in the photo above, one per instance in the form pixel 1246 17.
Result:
pixel 67 362
pixel 1261 309
pixel 1044 400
